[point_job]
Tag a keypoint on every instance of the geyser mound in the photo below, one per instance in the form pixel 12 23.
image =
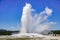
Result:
pixel 29 35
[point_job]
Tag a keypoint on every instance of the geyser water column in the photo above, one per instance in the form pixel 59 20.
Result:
pixel 26 17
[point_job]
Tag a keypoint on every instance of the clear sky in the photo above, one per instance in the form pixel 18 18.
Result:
pixel 11 11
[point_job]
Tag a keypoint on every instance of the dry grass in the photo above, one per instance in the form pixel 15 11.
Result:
pixel 21 39
pixel 50 38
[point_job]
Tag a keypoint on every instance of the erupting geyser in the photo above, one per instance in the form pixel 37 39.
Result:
pixel 26 18
pixel 36 23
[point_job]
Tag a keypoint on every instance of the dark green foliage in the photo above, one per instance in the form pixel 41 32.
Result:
pixel 56 31
pixel 6 32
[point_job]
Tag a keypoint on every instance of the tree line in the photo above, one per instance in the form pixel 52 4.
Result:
pixel 7 32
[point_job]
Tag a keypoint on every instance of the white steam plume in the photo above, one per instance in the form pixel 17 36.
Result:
pixel 36 23
pixel 26 17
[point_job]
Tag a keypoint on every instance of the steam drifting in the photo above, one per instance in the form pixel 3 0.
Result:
pixel 36 23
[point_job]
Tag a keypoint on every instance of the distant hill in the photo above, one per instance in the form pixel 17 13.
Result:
pixel 7 32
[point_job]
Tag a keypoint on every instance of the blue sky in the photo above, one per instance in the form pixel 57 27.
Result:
pixel 11 12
